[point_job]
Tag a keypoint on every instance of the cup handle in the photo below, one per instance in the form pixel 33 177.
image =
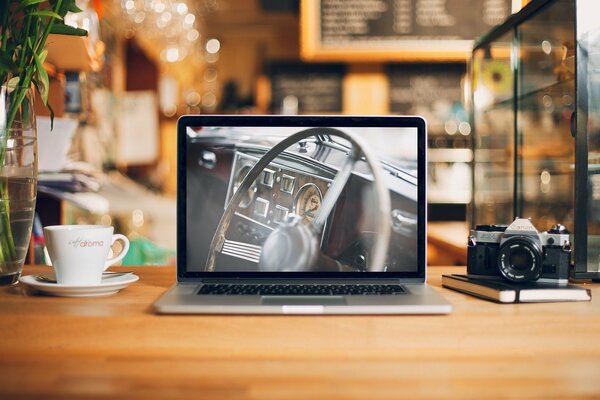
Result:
pixel 123 252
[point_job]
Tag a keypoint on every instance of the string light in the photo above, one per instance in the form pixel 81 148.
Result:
pixel 170 25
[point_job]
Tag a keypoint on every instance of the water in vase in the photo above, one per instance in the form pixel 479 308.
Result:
pixel 17 206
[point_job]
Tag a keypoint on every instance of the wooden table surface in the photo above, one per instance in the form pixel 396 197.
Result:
pixel 116 347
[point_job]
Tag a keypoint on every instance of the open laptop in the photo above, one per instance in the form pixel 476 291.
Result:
pixel 301 215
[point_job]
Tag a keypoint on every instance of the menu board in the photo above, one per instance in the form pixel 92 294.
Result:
pixel 406 30
pixel 298 88
pixel 433 91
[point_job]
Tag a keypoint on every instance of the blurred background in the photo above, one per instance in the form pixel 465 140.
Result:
pixel 117 94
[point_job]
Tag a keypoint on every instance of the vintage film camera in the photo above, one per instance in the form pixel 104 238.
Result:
pixel 519 253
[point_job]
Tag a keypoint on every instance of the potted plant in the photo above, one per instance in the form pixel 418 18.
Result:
pixel 24 29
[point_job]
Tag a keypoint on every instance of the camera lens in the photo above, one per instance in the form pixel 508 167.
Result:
pixel 519 259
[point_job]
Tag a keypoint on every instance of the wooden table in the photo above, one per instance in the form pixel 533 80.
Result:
pixel 116 347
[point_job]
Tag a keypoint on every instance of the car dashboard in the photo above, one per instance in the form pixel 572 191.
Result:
pixel 279 190
pixel 295 182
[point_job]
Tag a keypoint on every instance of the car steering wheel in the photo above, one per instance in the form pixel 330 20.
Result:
pixel 293 246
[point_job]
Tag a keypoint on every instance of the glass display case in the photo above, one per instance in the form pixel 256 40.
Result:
pixel 535 117
pixel 493 135
pixel 587 151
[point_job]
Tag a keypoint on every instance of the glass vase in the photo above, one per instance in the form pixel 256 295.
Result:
pixel 18 179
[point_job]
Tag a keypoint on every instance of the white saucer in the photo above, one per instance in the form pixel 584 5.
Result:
pixel 108 286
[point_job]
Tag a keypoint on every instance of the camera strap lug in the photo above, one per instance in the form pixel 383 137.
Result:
pixel 471 242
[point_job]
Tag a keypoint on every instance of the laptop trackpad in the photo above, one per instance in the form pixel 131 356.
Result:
pixel 302 300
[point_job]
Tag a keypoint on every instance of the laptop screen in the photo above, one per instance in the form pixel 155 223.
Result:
pixel 276 225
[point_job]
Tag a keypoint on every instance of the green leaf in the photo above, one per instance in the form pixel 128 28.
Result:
pixel 51 116
pixel 63 29
pixel 46 13
pixel 43 82
pixel 73 7
pixel 44 85
pixel 43 55
pixel 38 86
pixel 27 3
pixel 47 104
pixel 65 7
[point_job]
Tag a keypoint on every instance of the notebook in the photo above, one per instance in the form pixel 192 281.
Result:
pixel 301 215
pixel 502 291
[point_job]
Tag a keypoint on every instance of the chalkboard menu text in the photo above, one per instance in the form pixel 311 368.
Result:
pixel 306 88
pixel 396 29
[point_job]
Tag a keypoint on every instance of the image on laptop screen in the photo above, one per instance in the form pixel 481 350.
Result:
pixel 293 186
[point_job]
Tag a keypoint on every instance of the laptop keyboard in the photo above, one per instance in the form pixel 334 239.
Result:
pixel 299 290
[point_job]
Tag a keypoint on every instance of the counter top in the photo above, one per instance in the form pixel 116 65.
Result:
pixel 116 347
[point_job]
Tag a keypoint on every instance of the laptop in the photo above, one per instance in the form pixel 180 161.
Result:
pixel 301 215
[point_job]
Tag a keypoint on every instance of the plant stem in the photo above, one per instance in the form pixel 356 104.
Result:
pixel 7 245
pixel 3 29
pixel 42 41
pixel 25 34
pixel 26 42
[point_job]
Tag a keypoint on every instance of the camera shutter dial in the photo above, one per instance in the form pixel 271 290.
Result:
pixel 559 229
pixel 519 259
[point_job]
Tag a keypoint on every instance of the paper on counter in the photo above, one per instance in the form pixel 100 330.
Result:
pixel 53 146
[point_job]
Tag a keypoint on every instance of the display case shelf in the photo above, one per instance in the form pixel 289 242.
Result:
pixel 554 89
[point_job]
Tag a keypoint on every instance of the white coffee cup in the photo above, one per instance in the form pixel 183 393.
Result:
pixel 79 253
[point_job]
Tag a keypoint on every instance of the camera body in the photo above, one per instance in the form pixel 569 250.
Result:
pixel 519 253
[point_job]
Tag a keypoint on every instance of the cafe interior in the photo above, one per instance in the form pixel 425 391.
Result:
pixel 510 92
pixel 117 95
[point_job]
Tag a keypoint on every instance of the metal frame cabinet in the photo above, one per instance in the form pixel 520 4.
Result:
pixel 535 113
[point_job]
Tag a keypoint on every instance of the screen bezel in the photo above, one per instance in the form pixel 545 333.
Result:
pixel 301 121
